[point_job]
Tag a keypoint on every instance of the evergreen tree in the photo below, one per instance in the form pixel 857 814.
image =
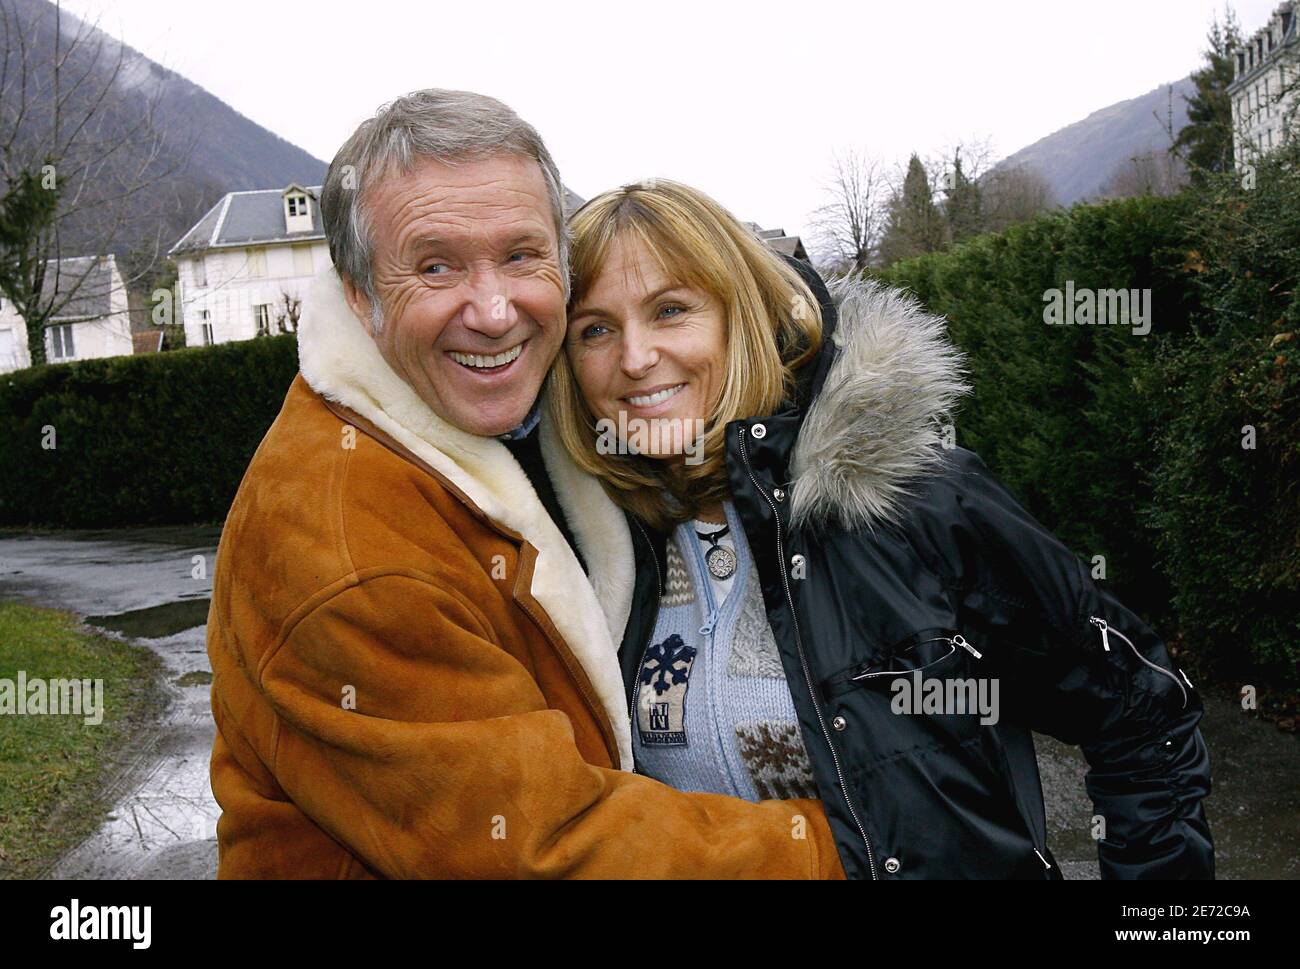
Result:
pixel 963 204
pixel 915 224
pixel 1206 142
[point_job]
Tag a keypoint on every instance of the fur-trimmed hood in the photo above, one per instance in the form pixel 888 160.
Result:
pixel 876 422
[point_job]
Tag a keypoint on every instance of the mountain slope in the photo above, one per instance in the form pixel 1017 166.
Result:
pixel 192 147
pixel 1077 160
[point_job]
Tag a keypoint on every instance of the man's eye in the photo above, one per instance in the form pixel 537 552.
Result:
pixel 435 269
pixel 519 256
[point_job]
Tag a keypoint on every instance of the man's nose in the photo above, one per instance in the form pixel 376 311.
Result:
pixel 489 306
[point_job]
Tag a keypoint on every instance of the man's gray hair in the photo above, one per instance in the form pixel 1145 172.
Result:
pixel 450 126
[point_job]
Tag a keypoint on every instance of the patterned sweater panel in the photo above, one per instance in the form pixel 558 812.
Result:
pixel 713 711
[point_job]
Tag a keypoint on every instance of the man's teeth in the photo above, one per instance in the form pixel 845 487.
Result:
pixel 652 399
pixel 476 360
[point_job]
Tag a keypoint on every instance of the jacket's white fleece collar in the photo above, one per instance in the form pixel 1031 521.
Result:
pixel 340 361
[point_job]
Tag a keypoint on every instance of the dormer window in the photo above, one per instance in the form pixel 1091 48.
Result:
pixel 297 210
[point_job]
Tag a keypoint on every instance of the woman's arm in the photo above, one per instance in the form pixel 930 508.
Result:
pixel 1080 666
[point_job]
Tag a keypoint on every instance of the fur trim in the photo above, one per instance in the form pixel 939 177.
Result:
pixel 876 425
pixel 340 361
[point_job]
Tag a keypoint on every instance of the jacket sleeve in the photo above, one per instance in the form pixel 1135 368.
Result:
pixel 451 764
pixel 1117 695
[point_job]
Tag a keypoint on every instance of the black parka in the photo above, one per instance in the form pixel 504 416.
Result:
pixel 881 551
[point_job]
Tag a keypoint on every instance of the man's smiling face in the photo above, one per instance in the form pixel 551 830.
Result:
pixel 466 267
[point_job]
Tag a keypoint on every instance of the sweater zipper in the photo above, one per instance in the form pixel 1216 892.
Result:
pixel 803 662
pixel 1106 630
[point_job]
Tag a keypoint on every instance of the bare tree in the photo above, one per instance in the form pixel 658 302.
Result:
pixel 75 160
pixel 1013 195
pixel 846 230
pixel 287 313
pixel 1152 173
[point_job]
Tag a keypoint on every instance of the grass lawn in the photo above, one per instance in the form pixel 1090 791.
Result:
pixel 53 768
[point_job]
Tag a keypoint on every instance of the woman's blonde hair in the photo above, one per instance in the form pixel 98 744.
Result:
pixel 773 327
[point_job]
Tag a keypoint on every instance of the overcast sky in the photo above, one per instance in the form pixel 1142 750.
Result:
pixel 747 101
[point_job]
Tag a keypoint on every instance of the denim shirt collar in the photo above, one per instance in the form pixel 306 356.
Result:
pixel 530 422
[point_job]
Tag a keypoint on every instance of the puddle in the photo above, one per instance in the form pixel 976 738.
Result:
pixel 194 678
pixel 156 622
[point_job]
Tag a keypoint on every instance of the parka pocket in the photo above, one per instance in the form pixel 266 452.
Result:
pixel 929 652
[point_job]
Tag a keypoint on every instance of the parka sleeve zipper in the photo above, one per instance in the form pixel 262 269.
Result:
pixel 803 661
pixel 1106 630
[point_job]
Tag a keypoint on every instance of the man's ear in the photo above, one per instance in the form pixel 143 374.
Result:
pixel 358 301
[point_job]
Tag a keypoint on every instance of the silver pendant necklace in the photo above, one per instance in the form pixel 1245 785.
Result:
pixel 720 559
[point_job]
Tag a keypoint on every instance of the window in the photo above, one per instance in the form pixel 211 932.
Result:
pixel 262 316
pixel 302 263
pixel 8 347
pixel 257 263
pixel 298 205
pixel 200 272
pixel 61 344
pixel 207 331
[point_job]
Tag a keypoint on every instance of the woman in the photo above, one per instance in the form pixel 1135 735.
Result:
pixel 830 601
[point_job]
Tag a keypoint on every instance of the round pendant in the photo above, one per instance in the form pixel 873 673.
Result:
pixel 721 562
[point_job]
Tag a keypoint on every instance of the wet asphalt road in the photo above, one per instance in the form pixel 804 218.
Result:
pixel 144 583
pixel 163 823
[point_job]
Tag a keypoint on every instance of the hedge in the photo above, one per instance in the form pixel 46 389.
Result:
pixel 157 439
pixel 1130 447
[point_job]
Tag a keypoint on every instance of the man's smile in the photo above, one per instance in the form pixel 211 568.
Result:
pixel 485 364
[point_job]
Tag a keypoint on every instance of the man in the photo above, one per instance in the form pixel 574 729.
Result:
pixel 413 675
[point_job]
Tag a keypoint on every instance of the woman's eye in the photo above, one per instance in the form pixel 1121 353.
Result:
pixel 594 330
pixel 670 311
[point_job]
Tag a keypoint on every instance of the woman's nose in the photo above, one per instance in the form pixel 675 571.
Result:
pixel 639 357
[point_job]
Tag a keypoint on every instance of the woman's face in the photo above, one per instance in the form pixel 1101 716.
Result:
pixel 643 345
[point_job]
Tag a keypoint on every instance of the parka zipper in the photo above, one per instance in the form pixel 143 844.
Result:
pixel 803 662
pixel 1101 624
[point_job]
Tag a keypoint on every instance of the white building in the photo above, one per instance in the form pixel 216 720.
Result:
pixel 1265 90
pixel 91 318
pixel 243 268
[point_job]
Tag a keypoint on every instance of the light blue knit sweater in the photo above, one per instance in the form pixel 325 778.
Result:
pixel 712 708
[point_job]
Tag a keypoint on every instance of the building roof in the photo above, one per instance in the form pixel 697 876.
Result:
pixel 782 243
pixel 249 218
pixel 88 280
pixel 1262 50
pixel 257 218
pixel 572 201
